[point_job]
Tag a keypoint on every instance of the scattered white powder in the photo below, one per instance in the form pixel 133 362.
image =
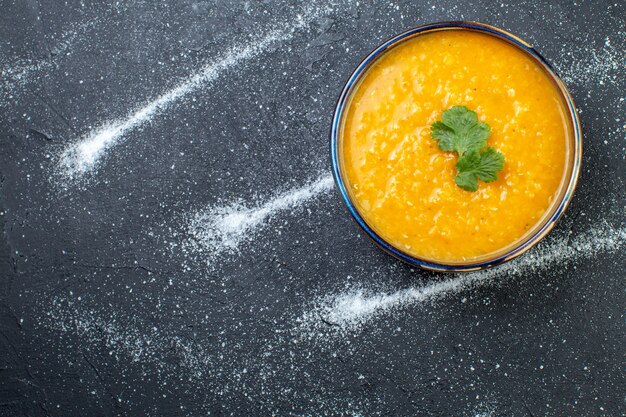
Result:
pixel 350 310
pixel 158 349
pixel 222 229
pixel 16 75
pixel 484 411
pixel 588 64
pixel 126 339
pixel 82 157
pixel 112 342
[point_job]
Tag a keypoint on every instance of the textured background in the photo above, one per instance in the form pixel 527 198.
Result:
pixel 105 311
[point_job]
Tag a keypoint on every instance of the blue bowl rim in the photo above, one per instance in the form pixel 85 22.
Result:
pixel 530 240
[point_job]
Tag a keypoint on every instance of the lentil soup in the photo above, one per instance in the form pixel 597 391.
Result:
pixel 403 185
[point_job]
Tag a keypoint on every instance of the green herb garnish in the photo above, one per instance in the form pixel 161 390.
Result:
pixel 475 165
pixel 460 131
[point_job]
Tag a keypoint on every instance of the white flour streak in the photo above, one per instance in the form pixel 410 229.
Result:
pixel 352 309
pixel 223 229
pixel 83 156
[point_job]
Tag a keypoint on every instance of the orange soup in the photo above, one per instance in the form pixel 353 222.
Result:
pixel 403 185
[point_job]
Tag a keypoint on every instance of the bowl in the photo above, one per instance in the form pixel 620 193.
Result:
pixel 534 234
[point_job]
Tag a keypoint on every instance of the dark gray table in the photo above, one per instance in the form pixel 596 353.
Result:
pixel 111 304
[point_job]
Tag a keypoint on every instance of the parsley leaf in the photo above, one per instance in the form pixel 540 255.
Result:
pixel 474 166
pixel 460 131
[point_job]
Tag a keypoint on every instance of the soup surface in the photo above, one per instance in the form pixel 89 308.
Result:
pixel 401 182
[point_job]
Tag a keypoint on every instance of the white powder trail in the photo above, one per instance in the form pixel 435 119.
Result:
pixel 223 229
pixel 82 157
pixel 352 309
